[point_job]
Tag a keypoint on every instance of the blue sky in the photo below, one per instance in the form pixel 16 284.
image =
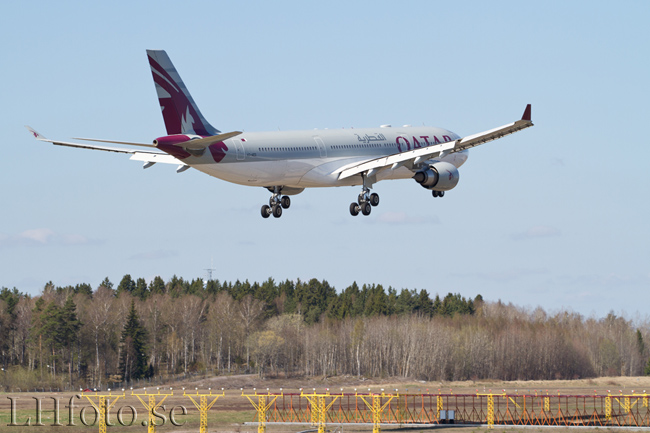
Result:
pixel 555 216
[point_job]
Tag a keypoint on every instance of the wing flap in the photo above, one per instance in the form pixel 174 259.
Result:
pixel 396 160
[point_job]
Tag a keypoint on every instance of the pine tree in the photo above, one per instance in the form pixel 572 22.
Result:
pixel 9 326
pixel 423 304
pixel 288 289
pixel 126 285
pixel 133 356
pixel 157 286
pixel 196 287
pixel 213 287
pixel 106 283
pixel 358 299
pixel 68 323
pixel 405 302
pixel 49 332
pixel 141 289
pixel 84 288
pixel 640 344
pixel 69 326
pixel 377 302
pixel 391 302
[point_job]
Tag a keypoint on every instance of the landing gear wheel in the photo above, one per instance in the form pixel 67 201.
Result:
pixel 441 194
pixel 266 211
pixel 285 202
pixel 277 211
pixel 435 193
pixel 366 208
pixel 354 209
pixel 374 199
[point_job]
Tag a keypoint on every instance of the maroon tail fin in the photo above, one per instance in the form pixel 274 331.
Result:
pixel 180 112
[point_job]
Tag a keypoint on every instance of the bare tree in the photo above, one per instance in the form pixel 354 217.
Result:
pixel 251 311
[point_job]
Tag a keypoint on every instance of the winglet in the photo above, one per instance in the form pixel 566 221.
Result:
pixel 526 115
pixel 35 134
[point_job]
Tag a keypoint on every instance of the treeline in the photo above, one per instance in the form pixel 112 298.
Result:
pixel 309 299
pixel 85 337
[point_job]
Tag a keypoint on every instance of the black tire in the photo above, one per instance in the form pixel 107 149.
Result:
pixel 354 209
pixel 374 199
pixel 441 194
pixel 266 211
pixel 366 208
pixel 277 211
pixel 434 193
pixel 285 202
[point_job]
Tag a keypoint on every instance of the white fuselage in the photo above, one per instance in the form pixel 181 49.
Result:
pixel 313 158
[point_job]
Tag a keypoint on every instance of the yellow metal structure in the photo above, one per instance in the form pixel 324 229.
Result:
pixel 103 406
pixel 377 408
pixel 264 402
pixel 547 404
pixel 490 417
pixel 151 406
pixel 203 406
pixel 490 407
pixel 320 406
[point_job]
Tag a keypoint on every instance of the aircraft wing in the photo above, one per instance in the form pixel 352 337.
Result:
pixel 136 154
pixel 415 156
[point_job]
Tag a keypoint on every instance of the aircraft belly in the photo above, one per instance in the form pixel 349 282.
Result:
pixel 326 175
pixel 261 173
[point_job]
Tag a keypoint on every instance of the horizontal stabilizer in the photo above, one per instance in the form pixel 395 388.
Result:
pixel 129 143
pixel 202 143
pixel 138 155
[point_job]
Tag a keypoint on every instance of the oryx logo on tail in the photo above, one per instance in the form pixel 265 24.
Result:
pixel 180 113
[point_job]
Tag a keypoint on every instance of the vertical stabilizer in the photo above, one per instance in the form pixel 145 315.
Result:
pixel 180 113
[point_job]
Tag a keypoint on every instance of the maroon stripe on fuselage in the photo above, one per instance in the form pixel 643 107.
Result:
pixel 218 151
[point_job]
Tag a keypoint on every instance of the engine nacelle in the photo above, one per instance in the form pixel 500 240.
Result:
pixel 440 176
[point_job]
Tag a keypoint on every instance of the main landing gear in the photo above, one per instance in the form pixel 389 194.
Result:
pixel 438 193
pixel 277 202
pixel 365 203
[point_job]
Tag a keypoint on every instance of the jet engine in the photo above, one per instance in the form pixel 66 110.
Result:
pixel 439 176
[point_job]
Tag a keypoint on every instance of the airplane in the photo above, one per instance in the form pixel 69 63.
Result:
pixel 288 162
